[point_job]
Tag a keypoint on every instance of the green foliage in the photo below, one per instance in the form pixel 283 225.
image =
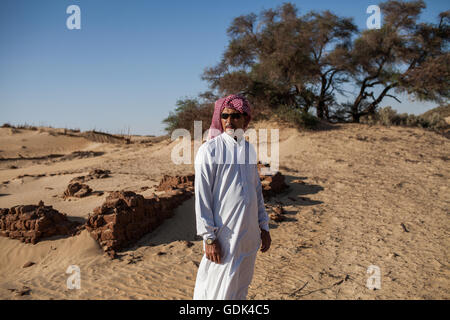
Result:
pixel 436 122
pixel 188 111
pixel 281 58
pixel 443 111
pixel 296 117
pixel 389 117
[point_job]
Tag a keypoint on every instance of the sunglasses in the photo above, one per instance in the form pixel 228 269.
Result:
pixel 234 116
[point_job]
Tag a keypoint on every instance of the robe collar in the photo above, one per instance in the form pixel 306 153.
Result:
pixel 240 141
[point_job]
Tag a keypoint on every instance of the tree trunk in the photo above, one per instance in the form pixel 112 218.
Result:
pixel 321 102
pixel 376 102
pixel 355 111
pixel 327 115
pixel 320 108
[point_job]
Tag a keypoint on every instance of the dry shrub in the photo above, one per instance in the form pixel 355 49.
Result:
pixel 388 117
pixel 296 117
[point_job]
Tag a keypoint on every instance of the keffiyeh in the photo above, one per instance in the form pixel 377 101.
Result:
pixel 234 101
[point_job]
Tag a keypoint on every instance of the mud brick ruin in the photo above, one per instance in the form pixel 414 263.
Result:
pixel 31 223
pixel 78 190
pixel 178 182
pixel 94 174
pixel 271 184
pixel 125 217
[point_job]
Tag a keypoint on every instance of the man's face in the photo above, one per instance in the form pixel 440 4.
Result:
pixel 230 122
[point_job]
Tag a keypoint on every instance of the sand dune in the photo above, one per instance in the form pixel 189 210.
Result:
pixel 359 196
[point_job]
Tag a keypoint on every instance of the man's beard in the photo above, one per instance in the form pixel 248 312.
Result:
pixel 229 130
pixel 234 133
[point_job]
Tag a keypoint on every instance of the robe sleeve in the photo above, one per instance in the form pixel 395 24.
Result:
pixel 204 181
pixel 263 218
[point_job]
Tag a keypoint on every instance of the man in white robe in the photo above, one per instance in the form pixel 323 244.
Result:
pixel 229 206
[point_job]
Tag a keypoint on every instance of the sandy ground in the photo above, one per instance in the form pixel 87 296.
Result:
pixel 359 196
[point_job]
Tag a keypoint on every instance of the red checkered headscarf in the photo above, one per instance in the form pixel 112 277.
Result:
pixel 233 101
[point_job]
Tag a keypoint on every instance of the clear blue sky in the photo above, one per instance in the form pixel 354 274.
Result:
pixel 131 60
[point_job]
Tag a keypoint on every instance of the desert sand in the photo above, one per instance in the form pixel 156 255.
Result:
pixel 359 195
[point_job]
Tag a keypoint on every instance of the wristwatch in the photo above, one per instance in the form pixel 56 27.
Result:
pixel 210 241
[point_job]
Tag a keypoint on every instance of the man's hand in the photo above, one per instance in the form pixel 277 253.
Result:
pixel 213 251
pixel 265 240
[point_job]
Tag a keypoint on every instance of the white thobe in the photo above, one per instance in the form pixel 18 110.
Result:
pixel 229 206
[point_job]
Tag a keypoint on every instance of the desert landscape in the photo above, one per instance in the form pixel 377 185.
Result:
pixel 358 195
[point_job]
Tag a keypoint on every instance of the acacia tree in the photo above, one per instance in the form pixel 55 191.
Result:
pixel 399 57
pixel 428 57
pixel 280 58
pixel 329 40
pixel 283 59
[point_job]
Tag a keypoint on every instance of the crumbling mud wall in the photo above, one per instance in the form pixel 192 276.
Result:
pixel 125 217
pixel 78 190
pixel 271 184
pixel 31 223
pixel 178 182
